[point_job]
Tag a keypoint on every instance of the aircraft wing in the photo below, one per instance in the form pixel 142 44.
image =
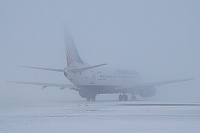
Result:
pixel 150 84
pixel 44 85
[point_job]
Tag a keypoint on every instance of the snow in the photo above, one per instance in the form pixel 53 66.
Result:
pixel 101 117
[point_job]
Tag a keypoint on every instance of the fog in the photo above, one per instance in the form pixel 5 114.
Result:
pixel 159 39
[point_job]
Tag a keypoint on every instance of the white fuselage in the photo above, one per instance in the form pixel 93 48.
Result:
pixel 104 77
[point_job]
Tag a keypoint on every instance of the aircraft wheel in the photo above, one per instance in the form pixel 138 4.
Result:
pixel 120 97
pixel 125 97
pixel 133 98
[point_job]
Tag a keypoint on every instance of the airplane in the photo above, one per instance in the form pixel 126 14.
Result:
pixel 91 81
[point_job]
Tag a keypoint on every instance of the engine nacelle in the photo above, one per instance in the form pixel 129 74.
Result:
pixel 86 94
pixel 148 92
pixel 83 93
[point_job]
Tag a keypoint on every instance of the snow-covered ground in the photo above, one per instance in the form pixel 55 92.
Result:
pixel 101 117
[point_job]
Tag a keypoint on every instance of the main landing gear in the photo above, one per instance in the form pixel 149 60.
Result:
pixel 124 97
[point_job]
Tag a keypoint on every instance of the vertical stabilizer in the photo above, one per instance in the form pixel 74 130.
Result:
pixel 71 52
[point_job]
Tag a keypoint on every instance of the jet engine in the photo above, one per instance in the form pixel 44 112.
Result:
pixel 83 93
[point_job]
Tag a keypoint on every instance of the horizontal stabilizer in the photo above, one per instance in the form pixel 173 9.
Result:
pixel 41 68
pixel 85 68
pixel 44 85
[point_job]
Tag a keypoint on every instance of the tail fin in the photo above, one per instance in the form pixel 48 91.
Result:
pixel 71 52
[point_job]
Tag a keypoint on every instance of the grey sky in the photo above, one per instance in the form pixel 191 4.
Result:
pixel 159 39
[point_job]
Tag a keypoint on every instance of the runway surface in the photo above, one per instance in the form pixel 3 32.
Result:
pixel 101 117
